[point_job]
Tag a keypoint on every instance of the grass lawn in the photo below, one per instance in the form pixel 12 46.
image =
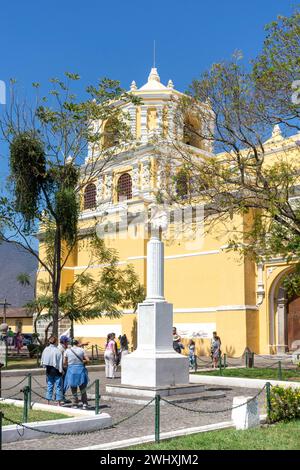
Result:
pixel 282 436
pixel 21 363
pixel 15 413
pixel 256 373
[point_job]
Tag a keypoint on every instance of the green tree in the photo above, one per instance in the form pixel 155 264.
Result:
pixel 49 143
pixel 237 107
pixel 109 293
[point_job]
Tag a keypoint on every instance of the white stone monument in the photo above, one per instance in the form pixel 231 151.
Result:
pixel 155 363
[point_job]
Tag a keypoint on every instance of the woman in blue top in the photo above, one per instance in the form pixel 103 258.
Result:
pixel 75 360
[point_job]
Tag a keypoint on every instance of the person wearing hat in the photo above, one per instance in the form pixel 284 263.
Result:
pixel 177 344
pixel 52 360
pixel 76 376
pixel 64 342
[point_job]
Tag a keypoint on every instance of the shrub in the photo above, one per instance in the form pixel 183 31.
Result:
pixel 285 404
pixel 34 350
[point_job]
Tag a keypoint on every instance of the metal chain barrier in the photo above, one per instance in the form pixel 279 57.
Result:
pixel 79 433
pixel 15 385
pixel 214 411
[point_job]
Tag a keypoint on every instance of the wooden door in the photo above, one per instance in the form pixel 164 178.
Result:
pixel 293 321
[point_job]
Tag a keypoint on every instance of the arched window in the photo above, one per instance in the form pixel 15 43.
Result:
pixel 90 194
pixel 191 129
pixel 110 134
pixel 124 187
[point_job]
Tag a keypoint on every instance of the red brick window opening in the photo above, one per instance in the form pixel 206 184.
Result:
pixel 90 193
pixel 124 187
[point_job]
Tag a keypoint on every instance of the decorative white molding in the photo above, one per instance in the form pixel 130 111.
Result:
pixel 220 308
pixel 133 258
pixel 146 175
pixel 190 255
pixel 135 180
pixel 270 270
pixel 260 284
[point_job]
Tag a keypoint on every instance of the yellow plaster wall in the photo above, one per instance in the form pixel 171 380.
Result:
pixel 27 325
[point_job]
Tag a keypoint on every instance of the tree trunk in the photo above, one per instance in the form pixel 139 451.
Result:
pixel 56 281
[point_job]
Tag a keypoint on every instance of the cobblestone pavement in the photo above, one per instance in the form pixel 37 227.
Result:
pixel 172 418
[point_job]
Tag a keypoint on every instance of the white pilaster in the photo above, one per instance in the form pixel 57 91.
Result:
pixel 132 114
pixel 144 130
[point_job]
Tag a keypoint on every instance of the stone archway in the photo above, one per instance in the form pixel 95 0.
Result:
pixel 293 323
pixel 278 315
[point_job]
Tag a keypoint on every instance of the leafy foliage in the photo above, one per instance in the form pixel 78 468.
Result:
pixel 285 404
pixel 28 168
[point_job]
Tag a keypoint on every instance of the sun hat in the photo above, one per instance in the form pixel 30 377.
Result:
pixel 64 339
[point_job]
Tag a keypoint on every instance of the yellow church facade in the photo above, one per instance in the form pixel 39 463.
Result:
pixel 210 287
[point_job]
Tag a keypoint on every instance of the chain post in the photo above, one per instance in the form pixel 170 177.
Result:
pixel 279 371
pixel 220 364
pixel 225 360
pixel 25 407
pixel 92 352
pixel 97 353
pixel 97 396
pixel 157 418
pixel 269 406
pixel 253 359
pixel 195 363
pixel 246 359
pixel 29 390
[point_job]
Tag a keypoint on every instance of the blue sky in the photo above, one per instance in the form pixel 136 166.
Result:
pixel 97 38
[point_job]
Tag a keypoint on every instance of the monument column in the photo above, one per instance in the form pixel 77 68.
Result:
pixel 155 363
pixel 155 270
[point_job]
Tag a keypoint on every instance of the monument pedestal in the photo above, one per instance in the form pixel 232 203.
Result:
pixel 155 363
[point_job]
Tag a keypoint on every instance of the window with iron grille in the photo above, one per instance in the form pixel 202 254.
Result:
pixel 90 196
pixel 124 187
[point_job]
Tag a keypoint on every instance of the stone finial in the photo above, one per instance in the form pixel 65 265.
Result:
pixel 133 86
pixel 153 76
pixel 170 84
pixel 276 131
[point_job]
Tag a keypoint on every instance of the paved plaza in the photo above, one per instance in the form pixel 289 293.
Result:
pixel 172 418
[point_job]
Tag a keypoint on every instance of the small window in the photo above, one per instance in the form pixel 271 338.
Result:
pixel 90 196
pixel 124 187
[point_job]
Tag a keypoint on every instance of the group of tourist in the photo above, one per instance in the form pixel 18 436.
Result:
pixel 65 369
pixel 66 362
pixel 215 349
pixel 115 350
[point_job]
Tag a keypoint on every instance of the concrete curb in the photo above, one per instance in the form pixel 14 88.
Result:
pixel 163 436
pixel 14 432
pixel 40 371
pixel 44 407
pixel 239 382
